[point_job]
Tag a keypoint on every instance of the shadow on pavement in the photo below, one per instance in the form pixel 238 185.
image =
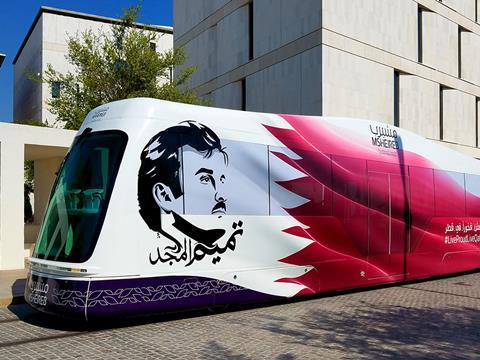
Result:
pixel 361 331
pixel 18 288
pixel 216 351
pixel 31 316
pixel 213 350
pixel 385 332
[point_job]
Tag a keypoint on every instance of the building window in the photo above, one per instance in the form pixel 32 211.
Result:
pixel 250 31
pixel 420 34
pixel 476 11
pixel 477 106
pixel 396 98
pixel 153 46
pixel 56 86
pixel 244 94
pixel 459 55
pixel 442 89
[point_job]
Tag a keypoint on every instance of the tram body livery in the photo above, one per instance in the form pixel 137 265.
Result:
pixel 161 206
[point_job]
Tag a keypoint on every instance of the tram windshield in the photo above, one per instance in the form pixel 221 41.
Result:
pixel 80 197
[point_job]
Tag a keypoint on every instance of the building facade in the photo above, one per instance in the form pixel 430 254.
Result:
pixel 46 43
pixel 46 147
pixel 410 63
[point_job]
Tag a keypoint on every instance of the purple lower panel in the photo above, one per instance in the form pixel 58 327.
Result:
pixel 56 296
pixel 242 296
pixel 109 298
pixel 119 297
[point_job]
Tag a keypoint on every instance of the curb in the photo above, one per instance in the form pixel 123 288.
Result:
pixel 15 300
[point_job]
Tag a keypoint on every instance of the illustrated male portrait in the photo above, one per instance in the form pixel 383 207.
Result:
pixel 184 168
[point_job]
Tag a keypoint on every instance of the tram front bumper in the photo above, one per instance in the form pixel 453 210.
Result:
pixel 57 295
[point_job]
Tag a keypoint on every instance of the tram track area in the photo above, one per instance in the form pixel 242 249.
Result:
pixel 46 338
pixel 56 326
pixel 440 292
pixel 32 326
pixel 5 321
pixel 21 326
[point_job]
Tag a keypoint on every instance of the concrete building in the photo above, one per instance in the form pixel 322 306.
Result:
pixel 46 43
pixel 412 63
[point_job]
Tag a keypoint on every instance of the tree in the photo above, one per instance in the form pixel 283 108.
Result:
pixel 114 66
pixel 28 188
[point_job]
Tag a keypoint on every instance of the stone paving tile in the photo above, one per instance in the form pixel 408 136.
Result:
pixel 12 285
pixel 428 320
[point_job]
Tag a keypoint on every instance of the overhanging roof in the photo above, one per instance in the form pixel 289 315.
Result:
pixel 2 57
pixel 79 15
pixel 40 142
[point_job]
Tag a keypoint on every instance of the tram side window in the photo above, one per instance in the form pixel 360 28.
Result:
pixel 300 182
pixel 422 202
pixel 350 202
pixel 449 193
pixel 473 195
pixel 231 181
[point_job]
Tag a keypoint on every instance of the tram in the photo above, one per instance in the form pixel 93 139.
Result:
pixel 161 206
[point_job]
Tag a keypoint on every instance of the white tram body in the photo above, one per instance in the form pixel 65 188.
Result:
pixel 161 206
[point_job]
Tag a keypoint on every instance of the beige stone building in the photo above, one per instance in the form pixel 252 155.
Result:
pixel 412 63
pixel 46 147
pixel 46 43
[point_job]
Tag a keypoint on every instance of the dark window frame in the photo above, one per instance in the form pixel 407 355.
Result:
pixel 56 89
pixel 123 137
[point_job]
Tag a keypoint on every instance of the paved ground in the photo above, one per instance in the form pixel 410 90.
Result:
pixel 12 285
pixel 436 319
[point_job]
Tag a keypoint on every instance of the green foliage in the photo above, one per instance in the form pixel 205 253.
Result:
pixel 32 122
pixel 114 66
pixel 28 188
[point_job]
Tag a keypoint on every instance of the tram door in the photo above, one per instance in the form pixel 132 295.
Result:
pixel 388 222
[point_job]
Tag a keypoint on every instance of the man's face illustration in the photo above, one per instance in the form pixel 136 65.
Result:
pixel 204 182
pixel 189 179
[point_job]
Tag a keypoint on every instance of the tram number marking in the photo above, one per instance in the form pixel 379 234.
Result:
pixel 38 293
